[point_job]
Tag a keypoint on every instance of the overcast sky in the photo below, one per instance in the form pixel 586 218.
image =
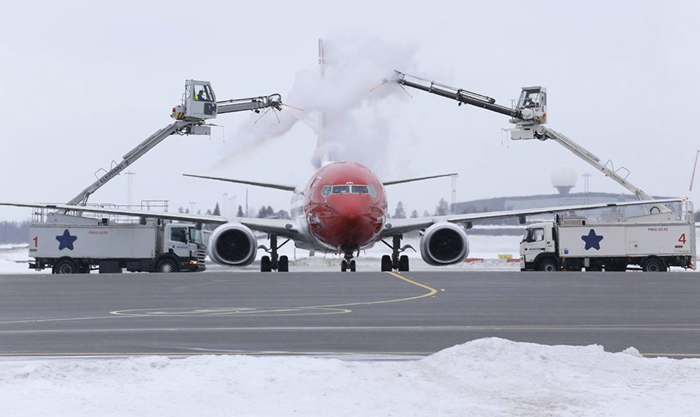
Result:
pixel 84 82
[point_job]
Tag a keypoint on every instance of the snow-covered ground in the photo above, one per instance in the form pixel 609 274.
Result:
pixel 14 259
pixel 487 377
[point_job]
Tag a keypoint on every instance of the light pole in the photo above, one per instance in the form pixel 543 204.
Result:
pixel 129 181
pixel 234 205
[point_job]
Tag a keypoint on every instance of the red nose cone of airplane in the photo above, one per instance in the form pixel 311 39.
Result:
pixel 350 221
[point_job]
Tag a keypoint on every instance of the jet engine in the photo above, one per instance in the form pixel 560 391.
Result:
pixel 233 245
pixel 444 244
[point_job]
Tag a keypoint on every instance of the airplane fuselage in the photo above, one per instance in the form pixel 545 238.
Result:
pixel 342 208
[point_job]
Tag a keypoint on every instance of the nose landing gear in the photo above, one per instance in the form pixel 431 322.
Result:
pixel 396 261
pixel 348 264
pixel 274 262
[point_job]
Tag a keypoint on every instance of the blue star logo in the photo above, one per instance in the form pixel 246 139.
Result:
pixel 592 240
pixel 65 241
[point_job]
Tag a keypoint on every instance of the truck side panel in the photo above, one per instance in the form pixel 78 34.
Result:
pixel 85 241
pixel 629 240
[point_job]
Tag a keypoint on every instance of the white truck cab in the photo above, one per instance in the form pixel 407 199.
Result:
pixel 538 239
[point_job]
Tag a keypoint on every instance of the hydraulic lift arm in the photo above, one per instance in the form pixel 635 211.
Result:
pixel 529 117
pixel 190 117
pixel 253 103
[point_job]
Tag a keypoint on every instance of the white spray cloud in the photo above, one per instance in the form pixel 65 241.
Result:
pixel 358 121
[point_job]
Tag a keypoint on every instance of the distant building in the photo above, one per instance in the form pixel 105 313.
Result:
pixel 549 200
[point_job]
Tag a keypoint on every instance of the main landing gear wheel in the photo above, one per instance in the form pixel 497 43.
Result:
pixel 283 265
pixel 343 266
pixel 265 264
pixel 352 266
pixel 386 263
pixel 395 261
pixel 403 263
pixel 274 261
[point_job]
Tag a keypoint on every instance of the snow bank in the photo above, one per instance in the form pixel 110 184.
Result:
pixel 14 259
pixel 488 377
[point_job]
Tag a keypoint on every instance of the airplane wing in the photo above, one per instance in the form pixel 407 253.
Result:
pixel 281 227
pixel 257 184
pixel 399 226
pixel 194 218
pixel 292 188
pixel 385 183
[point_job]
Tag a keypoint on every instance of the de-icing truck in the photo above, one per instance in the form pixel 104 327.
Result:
pixel 68 242
pixel 653 242
pixel 71 244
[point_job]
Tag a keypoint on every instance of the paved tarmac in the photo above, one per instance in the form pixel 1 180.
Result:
pixel 333 313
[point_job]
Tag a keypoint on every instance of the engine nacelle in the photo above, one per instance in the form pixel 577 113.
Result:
pixel 444 244
pixel 233 245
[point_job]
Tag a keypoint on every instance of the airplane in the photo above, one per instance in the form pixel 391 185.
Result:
pixel 342 209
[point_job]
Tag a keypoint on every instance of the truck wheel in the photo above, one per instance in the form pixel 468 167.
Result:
pixel 654 265
pixel 283 265
pixel 65 266
pixel 166 266
pixel 549 265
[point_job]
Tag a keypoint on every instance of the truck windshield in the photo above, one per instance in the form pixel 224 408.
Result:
pixel 195 236
pixel 533 235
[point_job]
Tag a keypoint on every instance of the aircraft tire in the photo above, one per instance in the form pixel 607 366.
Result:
pixel 265 264
pixel 283 264
pixel 403 263
pixel 386 263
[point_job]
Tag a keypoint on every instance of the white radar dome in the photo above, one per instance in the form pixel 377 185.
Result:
pixel 563 178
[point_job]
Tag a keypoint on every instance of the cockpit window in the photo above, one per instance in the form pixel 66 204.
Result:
pixel 360 189
pixel 372 190
pixel 349 189
pixel 341 189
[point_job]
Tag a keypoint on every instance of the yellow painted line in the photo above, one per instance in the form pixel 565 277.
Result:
pixel 431 292
pixel 135 312
pixel 673 355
